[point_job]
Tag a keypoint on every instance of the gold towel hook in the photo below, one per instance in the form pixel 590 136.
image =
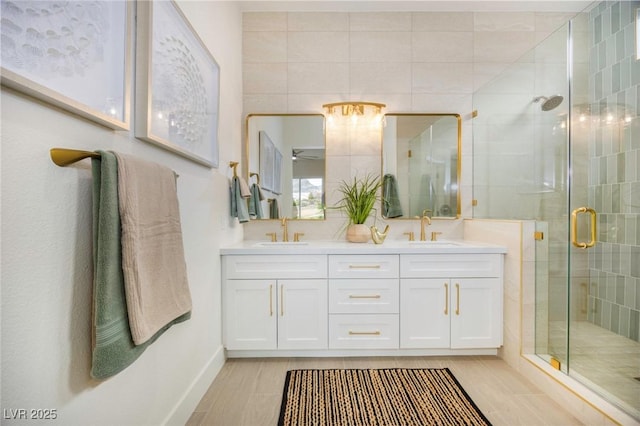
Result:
pixel 257 177
pixel 64 157
pixel 234 166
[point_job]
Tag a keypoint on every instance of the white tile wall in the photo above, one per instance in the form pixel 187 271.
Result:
pixel 413 62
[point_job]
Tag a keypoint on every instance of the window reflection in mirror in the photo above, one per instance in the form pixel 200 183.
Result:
pixel 286 153
pixel 421 165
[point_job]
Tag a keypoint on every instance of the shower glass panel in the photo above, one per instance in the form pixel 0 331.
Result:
pixel 572 165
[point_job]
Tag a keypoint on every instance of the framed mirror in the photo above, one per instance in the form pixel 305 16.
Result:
pixel 421 165
pixel 285 156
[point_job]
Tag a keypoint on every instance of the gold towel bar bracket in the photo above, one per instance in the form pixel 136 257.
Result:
pixel 252 174
pixel 234 166
pixel 65 157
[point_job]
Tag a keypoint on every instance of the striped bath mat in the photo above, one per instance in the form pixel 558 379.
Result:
pixel 384 397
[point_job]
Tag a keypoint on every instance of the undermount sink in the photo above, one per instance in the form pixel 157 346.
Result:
pixel 281 243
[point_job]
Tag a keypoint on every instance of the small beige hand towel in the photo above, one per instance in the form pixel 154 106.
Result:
pixel 155 273
pixel 245 191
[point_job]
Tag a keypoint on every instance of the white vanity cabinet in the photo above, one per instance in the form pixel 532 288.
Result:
pixel 451 301
pixel 275 302
pixel 344 299
pixel 363 301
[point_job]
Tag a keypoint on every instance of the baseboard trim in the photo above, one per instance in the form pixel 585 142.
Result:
pixel 194 393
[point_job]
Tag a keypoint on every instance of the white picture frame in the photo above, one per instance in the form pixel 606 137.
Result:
pixel 177 85
pixel 74 55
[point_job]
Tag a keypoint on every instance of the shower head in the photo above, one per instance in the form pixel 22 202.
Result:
pixel 549 103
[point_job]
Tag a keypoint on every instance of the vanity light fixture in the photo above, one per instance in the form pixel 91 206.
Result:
pixel 355 110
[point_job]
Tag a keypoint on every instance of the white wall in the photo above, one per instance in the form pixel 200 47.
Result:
pixel 47 263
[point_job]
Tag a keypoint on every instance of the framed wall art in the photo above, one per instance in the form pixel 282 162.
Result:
pixel 75 55
pixel 267 158
pixel 277 172
pixel 177 84
pixel 638 34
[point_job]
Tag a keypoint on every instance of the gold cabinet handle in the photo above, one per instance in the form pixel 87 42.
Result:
pixel 364 296
pixel 270 300
pixel 364 333
pixel 457 299
pixel 282 300
pixel 446 298
pixel 364 266
pixel 574 227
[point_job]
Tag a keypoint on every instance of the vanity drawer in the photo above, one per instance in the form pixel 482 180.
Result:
pixel 363 266
pixel 371 296
pixel 364 331
pixel 275 266
pixel 450 265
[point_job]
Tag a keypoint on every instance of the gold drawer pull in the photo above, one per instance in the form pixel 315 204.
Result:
pixel 364 296
pixel 364 333
pixel 364 266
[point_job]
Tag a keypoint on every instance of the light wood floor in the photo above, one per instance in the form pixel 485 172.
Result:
pixel 248 392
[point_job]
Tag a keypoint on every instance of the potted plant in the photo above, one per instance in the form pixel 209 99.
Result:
pixel 358 199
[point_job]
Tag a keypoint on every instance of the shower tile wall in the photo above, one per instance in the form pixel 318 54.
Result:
pixel 614 183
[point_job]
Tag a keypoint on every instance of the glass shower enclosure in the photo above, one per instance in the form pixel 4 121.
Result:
pixel 557 141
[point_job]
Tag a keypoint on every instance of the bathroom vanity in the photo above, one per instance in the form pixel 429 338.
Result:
pixel 339 299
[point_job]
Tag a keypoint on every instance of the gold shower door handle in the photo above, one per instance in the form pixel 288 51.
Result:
pixel 574 227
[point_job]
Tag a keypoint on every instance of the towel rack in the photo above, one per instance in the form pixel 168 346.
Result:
pixel 64 157
pixel 234 166
pixel 257 177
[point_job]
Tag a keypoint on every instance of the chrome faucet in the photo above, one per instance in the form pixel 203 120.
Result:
pixel 424 218
pixel 285 231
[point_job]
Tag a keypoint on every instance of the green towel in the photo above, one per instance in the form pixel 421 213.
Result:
pixel 255 206
pixel 238 203
pixel 390 199
pixel 113 347
pixel 274 210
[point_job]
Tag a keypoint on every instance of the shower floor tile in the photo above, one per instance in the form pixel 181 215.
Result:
pixel 607 362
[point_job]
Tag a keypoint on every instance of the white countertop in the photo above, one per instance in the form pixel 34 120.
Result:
pixel 345 247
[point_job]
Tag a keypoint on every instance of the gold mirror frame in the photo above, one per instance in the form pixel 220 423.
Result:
pixel 249 174
pixel 458 162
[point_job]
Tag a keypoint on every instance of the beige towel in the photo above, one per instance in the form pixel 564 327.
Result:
pixel 155 273
pixel 245 191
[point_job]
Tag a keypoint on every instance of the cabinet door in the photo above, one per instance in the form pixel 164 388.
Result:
pixel 424 313
pixel 476 317
pixel 250 313
pixel 302 314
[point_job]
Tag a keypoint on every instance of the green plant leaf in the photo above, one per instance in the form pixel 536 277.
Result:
pixel 359 197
